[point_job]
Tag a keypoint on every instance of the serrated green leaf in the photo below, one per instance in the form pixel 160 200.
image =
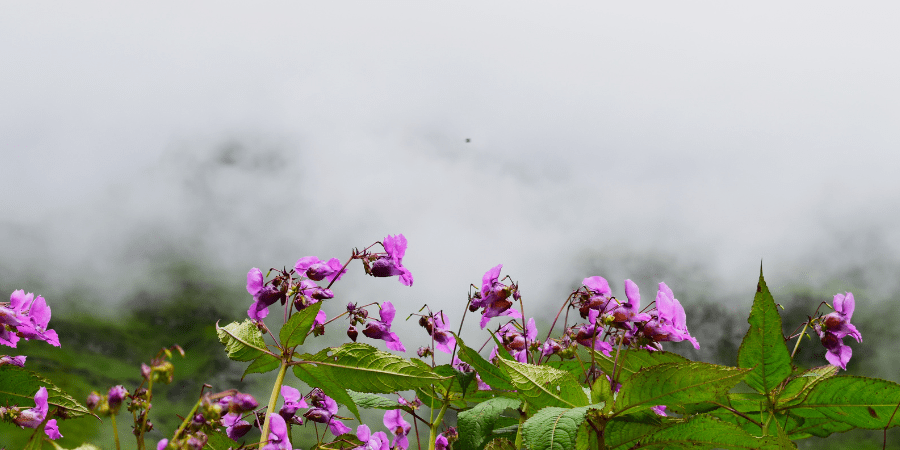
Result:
pixel 763 349
pixel 858 401
pixel 708 432
pixel 500 444
pixel 601 391
pixel 264 363
pixel 363 368
pixel 490 374
pixel 374 401
pixel 243 341
pixel 18 387
pixel 501 353
pixel 572 366
pixel 805 381
pixel 633 360
pixel 320 377
pixel 624 431
pixel 542 386
pixel 219 441
pixel 674 383
pixel 459 382
pixel 554 428
pixel 814 423
pixel 477 424
pixel 294 331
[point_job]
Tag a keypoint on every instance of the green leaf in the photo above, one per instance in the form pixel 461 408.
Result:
pixel 763 349
pixel 374 401
pixel 243 341
pixel 500 444
pixel 814 423
pixel 601 391
pixel 294 332
pixel 477 423
pixel 624 431
pixel 501 353
pixel 858 401
pixel 674 383
pixel 555 428
pixel 702 431
pixel 84 446
pixel 631 361
pixel 320 377
pixel 490 374
pixel 18 387
pixel 218 441
pixel 363 368
pixel 805 381
pixel 542 386
pixel 264 363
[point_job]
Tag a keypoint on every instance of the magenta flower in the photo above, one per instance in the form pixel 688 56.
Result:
pixel 600 296
pixel 630 310
pixel 28 317
pixel 837 353
pixel 589 334
pixel 235 427
pixel 263 296
pixel 324 408
pixel 162 444
pixel 381 329
pixel 443 337
pixel 441 443
pixel 13 360
pixel 494 297
pixel 838 322
pixel 33 417
pixel 393 420
pixel 659 410
pixel 392 264
pixel 293 401
pixel 278 434
pixel 318 270
pixel 670 322
pixel 514 342
pixel 371 441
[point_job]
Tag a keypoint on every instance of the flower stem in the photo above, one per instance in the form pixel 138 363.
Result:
pixel 520 436
pixel 186 420
pixel 143 430
pixel 276 390
pixel 799 338
pixel 432 437
pixel 115 431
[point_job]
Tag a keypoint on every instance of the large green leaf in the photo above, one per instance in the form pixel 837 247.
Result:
pixel 363 368
pixel 373 401
pixel 674 383
pixel 708 432
pixel 477 424
pixel 814 423
pixel 763 349
pixel 805 381
pixel 218 440
pixel 489 373
pixel 243 341
pixel 624 431
pixel 294 332
pixel 18 387
pixel 542 386
pixel 555 428
pixel 264 363
pixel 858 401
pixel 631 361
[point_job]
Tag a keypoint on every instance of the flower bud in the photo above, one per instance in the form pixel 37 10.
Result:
pixel 116 395
pixel 93 400
pixel 241 403
pixel 352 333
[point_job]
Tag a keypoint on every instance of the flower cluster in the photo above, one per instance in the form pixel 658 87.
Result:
pixel 517 341
pixel 215 410
pixel 25 317
pixel 834 326
pixel 442 337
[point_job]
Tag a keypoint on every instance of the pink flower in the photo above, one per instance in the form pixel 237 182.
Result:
pixel 392 264
pixel 33 417
pixel 13 360
pixel 263 296
pixel 381 329
pixel 670 322
pixel 316 269
pixel 494 297
pixel 371 441
pixel 278 434
pixel 393 420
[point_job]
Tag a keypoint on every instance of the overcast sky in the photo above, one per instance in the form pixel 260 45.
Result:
pixel 703 136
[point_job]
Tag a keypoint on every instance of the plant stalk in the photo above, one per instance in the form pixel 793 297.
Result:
pixel 115 431
pixel 432 437
pixel 273 399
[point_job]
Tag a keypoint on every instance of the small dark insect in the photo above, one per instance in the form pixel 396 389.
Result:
pixel 468 140
pixel 872 412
